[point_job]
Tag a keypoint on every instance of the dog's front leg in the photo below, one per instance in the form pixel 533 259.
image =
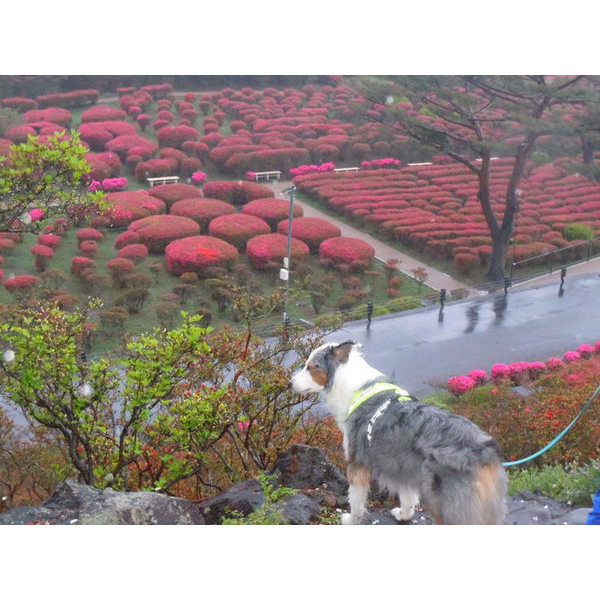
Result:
pixel 359 479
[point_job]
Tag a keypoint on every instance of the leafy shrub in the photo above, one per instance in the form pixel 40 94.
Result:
pixel 176 136
pixel 237 229
pixel 103 113
pixel 79 264
pixel 134 252
pixel 202 210
pixel 119 268
pixel 198 253
pixel 60 116
pixel 311 230
pixel 89 233
pixel 346 250
pixel 402 303
pixel 237 193
pixel 460 384
pixel 157 232
pixel 271 210
pixel 21 286
pixel 88 248
pixel 578 231
pixel 272 247
pixel 175 192
pixel 122 144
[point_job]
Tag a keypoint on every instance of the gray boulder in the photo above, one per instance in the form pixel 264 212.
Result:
pixel 307 468
pixel 77 504
pixel 243 498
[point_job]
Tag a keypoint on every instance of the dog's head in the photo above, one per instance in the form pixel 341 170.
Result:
pixel 319 370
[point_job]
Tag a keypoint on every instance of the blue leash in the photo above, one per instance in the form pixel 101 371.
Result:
pixel 558 437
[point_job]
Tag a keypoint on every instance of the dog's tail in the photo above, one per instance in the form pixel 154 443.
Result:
pixel 488 501
pixel 480 501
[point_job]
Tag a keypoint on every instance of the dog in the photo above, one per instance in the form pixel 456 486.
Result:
pixel 418 452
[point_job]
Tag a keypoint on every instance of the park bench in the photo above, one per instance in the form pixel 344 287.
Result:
pixel 162 180
pixel 346 169
pixel 267 175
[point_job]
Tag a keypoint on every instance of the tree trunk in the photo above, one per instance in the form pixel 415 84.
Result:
pixel 496 271
pixel 587 149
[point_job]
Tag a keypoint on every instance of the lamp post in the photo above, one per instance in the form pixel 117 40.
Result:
pixel 284 273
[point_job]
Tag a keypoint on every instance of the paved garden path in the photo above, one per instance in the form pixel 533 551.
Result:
pixel 436 280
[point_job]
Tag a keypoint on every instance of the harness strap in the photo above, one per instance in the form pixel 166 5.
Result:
pixel 374 389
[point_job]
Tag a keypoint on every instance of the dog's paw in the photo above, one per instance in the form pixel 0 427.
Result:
pixel 403 513
pixel 348 519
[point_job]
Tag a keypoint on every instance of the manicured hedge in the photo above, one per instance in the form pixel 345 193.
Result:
pixel 237 193
pixel 103 113
pixel 311 230
pixel 134 252
pixel 131 206
pixel 237 229
pixel 126 238
pixel 347 250
pixel 61 116
pixel 264 250
pixel 157 232
pixel 202 210
pixel 195 254
pixel 272 210
pixel 175 192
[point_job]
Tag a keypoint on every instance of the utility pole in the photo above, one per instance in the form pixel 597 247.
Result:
pixel 284 273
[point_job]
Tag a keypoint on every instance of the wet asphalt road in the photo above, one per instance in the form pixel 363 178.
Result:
pixel 423 348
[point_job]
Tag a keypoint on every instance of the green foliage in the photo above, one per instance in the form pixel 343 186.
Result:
pixel 567 483
pixel 578 231
pixel 48 175
pixel 402 303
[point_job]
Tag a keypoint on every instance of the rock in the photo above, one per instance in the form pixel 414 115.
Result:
pixel 307 468
pixel 243 497
pixel 577 516
pixel 75 503
pixel 299 509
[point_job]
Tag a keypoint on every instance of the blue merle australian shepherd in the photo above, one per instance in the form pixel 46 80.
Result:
pixel 418 452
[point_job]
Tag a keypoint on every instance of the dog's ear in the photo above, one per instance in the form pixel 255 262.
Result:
pixel 342 351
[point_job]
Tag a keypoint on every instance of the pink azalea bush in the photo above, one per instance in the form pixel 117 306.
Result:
pixel 480 376
pixel 585 350
pixel 572 356
pixel 304 169
pixel 554 364
pixel 115 184
pixel 460 384
pixel 198 177
pixel 381 163
pixel 36 214
pixel 500 373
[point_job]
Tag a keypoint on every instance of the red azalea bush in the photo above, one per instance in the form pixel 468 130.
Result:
pixel 49 239
pixel 272 210
pixel 237 229
pixel 155 167
pixel 80 264
pixel 176 136
pixel 157 232
pixel 73 99
pixel 88 248
pixel 98 134
pixel 89 233
pixel 174 192
pixel 195 254
pixel 190 166
pixel 460 384
pixel 126 238
pixel 21 285
pixel 104 165
pixel 237 193
pixel 348 251
pixel 19 133
pixel 20 104
pixel 134 252
pixel 264 250
pixel 131 206
pixel 119 268
pixel 202 210
pixel 60 116
pixel 122 144
pixel 103 113
pixel 311 230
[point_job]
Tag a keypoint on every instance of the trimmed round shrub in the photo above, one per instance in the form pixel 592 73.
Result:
pixel 60 116
pixel 272 210
pixel 21 286
pixel 123 143
pixel 88 248
pixel 155 167
pixel 196 254
pixel 89 233
pixel 135 252
pixel 202 210
pixel 103 113
pixel 131 206
pixel 311 230
pixel 126 238
pixel 460 384
pixel 237 193
pixel 49 239
pixel 119 268
pixel 174 192
pixel 176 136
pixel 6 245
pixel 347 250
pixel 80 264
pixel 272 248
pixel 158 231
pixel 237 229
